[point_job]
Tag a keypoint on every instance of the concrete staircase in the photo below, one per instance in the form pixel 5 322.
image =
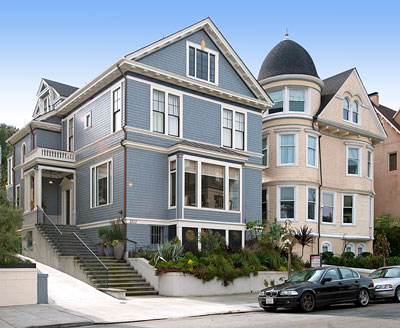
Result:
pixel 118 275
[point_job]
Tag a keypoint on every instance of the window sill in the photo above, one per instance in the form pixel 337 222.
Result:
pixel 311 221
pixel 100 206
pixel 312 167
pixel 358 124
pixel 290 165
pixel 353 176
pixel 328 223
pixel 212 209
pixel 285 219
pixel 348 224
pixel 201 80
pixel 172 207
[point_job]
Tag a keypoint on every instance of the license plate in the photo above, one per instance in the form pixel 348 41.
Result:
pixel 269 300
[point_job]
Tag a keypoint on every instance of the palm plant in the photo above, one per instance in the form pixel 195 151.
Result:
pixel 304 237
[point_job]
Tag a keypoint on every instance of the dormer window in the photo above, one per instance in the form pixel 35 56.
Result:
pixel 346 109
pixel 289 100
pixel 354 107
pixel 351 111
pixel 202 63
pixel 46 105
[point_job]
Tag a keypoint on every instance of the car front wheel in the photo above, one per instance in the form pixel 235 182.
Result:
pixel 362 298
pixel 307 302
pixel 397 295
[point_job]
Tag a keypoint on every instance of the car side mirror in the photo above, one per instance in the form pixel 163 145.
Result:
pixel 326 280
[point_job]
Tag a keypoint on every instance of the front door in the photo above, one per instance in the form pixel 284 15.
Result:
pixel 68 206
pixel 67 201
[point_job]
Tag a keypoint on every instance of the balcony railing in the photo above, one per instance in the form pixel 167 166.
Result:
pixel 53 154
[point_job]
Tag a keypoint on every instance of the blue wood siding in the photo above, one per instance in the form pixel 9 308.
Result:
pixel 47 139
pixel 85 214
pixel 254 133
pixel 100 147
pixel 51 196
pixel 252 188
pixel 28 141
pixel 138 103
pixel 226 217
pixel 54 120
pixel 172 58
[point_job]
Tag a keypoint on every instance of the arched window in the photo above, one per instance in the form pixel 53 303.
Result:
pixel 23 153
pixel 361 248
pixel 355 111
pixel 346 109
pixel 349 248
pixel 326 246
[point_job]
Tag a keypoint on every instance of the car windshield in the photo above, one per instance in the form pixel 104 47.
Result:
pixel 386 273
pixel 306 275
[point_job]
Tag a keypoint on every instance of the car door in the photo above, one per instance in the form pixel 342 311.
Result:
pixel 330 291
pixel 350 284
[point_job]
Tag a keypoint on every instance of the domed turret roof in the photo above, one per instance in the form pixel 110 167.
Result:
pixel 287 57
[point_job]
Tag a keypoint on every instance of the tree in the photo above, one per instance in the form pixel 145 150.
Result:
pixel 289 241
pixel 382 247
pixel 390 226
pixel 304 237
pixel 10 219
pixel 6 131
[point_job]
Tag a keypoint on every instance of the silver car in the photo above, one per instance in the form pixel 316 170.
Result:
pixel 387 282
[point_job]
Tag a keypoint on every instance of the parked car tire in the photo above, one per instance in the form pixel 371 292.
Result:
pixel 308 302
pixel 396 297
pixel 362 297
pixel 270 308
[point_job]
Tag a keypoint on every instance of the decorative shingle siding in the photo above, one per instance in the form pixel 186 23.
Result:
pixel 147 197
pixel 85 214
pixel 172 58
pixel 254 133
pixel 228 217
pixel 51 198
pixel 252 188
pixel 138 103
pixel 28 141
pixel 201 120
pixel 47 139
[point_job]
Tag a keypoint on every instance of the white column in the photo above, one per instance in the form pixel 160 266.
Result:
pixel 73 221
pixel 38 187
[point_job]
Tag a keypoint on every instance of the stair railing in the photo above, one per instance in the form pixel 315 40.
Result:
pixel 92 255
pixel 45 217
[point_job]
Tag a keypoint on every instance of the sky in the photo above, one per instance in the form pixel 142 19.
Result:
pixel 74 41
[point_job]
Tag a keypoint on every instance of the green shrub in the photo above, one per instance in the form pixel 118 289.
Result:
pixel 327 257
pixel 271 259
pixel 168 252
pixel 394 260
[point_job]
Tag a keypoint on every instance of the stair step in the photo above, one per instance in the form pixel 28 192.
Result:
pixel 142 293
pixel 124 285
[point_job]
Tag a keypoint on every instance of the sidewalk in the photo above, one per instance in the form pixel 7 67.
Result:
pixel 74 303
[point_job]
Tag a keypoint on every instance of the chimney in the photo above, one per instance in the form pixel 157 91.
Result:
pixel 374 98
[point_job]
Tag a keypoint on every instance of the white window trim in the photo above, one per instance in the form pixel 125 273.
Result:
pixel 328 244
pixel 114 88
pixel 334 206
pixel 351 101
pixel 316 204
pixel 363 246
pixel 316 150
pixel 353 210
pixel 215 53
pixel 111 191
pixel 267 136
pixel 10 173
pixel 234 111
pixel 167 92
pixel 370 174
pixel 171 159
pixel 286 100
pixel 351 245
pixel 371 213
pixel 360 158
pixel 89 114
pixel 15 196
pixel 22 161
pixel 68 120
pixel 278 203
pixel 296 147
pixel 200 161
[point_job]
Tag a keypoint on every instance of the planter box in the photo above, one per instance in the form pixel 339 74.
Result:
pixel 18 286
pixel 18 266
pixel 180 284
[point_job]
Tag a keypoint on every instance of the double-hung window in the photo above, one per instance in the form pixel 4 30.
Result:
pixel 351 111
pixel 328 207
pixel 202 63
pixel 355 110
pixel 346 109
pixel 234 189
pixel 161 122
pixel 157 235
pixel 18 196
pixel 311 151
pixel 277 98
pixel 393 162
pixel 158 111
pixel 173 115
pixel 264 206
pixel 212 186
pixel 353 161
pixel 348 209
pixel 296 100
pixel 326 247
pixel 172 181
pixel 71 134
pixel 101 177
pixel 369 164
pixel 88 120
pixel 265 145
pixel 10 170
pixel 312 207
pixel 190 183
pixel 286 203
pixel 23 153
pixel 288 100
pixel 287 149
pixel 117 104
pixel 233 129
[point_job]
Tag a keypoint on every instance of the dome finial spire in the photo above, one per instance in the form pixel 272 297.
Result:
pixel 287 34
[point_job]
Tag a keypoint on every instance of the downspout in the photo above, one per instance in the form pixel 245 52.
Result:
pixel 320 180
pixel 125 152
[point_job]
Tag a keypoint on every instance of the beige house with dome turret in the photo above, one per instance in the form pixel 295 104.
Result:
pixel 318 145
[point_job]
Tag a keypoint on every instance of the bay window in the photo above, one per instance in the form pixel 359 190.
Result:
pixel 353 161
pixel 101 184
pixel 311 151
pixel 328 207
pixel 234 189
pixel 312 207
pixel 172 177
pixel 287 149
pixel 277 98
pixel 190 183
pixel 369 164
pixel 296 100
pixel 289 100
pixel 286 208
pixel 212 186
pixel 348 209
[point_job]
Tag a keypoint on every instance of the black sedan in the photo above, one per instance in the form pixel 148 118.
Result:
pixel 318 287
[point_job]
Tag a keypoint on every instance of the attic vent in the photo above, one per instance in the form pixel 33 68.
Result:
pixel 203 45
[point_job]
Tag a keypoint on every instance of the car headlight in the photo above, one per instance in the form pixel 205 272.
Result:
pixel 289 293
pixel 262 293
pixel 383 287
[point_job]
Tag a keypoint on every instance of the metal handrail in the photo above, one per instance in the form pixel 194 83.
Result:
pixel 83 243
pixel 39 208
pixel 132 241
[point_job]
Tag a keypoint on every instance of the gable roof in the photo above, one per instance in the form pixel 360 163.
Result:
pixel 331 87
pixel 222 44
pixel 389 114
pixel 62 89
